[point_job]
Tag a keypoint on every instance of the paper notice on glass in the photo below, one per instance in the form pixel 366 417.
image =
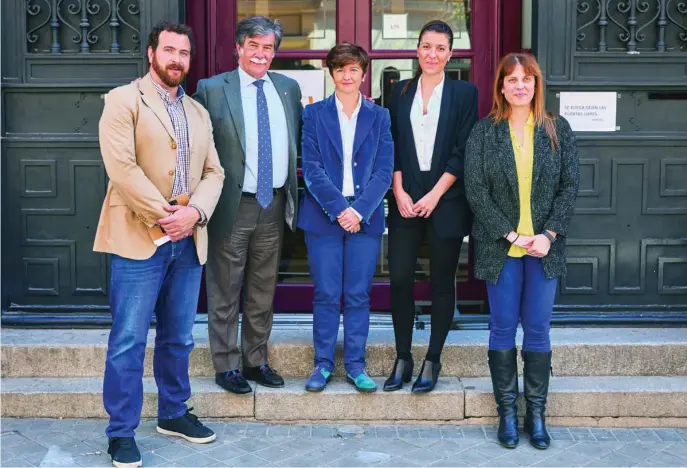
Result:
pixel 589 111
pixel 395 26
pixel 311 83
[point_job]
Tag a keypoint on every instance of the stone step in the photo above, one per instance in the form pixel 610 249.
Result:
pixel 571 399
pixel 597 396
pixel 340 401
pixel 576 352
pixel 83 398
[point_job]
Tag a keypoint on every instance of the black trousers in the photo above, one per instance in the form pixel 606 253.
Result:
pixel 404 245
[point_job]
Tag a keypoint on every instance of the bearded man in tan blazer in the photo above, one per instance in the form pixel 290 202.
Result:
pixel 165 181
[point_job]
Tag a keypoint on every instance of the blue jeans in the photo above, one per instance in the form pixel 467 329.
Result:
pixel 522 294
pixel 166 284
pixel 342 266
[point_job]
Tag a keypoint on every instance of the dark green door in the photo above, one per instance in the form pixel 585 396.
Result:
pixel 59 58
pixel 627 246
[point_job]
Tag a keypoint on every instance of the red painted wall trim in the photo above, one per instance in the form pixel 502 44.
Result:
pixel 404 54
pixel 483 27
pixel 362 19
pixel 345 20
pixel 225 31
pixel 301 54
pixel 511 27
pixel 196 18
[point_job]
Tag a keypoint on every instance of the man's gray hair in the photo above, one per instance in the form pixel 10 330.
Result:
pixel 259 26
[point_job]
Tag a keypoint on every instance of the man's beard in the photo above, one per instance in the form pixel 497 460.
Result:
pixel 165 76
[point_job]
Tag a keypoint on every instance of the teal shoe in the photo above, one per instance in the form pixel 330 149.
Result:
pixel 363 382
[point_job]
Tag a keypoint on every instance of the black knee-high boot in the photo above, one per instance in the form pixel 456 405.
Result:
pixel 504 378
pixel 536 377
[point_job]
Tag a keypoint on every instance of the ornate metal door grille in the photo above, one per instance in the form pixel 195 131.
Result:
pixel 83 26
pixel 632 26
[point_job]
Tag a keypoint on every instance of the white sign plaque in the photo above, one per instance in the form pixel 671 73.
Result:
pixel 589 111
pixel 395 26
pixel 310 81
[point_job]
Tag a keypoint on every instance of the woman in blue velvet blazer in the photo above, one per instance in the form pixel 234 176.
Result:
pixel 348 159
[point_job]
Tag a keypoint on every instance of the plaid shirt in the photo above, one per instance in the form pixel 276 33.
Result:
pixel 182 172
pixel 175 109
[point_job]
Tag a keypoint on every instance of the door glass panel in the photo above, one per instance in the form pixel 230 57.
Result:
pixel 294 260
pixel 308 24
pixel 315 69
pixel 293 267
pixel 386 72
pixel 396 24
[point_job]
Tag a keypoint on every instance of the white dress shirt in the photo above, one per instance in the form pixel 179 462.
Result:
pixel 347 127
pixel 425 125
pixel 279 132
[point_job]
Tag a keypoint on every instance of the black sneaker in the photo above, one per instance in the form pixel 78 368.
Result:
pixel 124 452
pixel 188 427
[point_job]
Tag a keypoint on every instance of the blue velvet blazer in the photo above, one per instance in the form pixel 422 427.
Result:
pixel 322 159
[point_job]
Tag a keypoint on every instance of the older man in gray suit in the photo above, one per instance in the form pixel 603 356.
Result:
pixel 256 117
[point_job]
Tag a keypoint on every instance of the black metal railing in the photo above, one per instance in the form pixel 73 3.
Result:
pixel 632 26
pixel 83 26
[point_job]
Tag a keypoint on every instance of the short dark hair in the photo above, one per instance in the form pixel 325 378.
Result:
pixel 177 28
pixel 259 26
pixel 347 53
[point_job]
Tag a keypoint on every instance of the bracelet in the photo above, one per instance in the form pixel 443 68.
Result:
pixel 516 238
pixel 549 236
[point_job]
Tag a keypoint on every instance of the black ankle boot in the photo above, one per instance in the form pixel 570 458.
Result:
pixel 536 377
pixel 429 375
pixel 402 372
pixel 504 378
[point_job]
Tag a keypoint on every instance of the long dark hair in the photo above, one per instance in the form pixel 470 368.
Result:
pixel 437 26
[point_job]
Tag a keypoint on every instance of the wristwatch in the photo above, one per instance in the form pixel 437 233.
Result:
pixel 549 236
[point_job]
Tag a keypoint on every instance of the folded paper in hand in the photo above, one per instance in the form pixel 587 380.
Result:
pixel 156 233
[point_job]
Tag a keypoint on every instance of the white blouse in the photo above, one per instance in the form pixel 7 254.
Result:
pixel 347 127
pixel 425 126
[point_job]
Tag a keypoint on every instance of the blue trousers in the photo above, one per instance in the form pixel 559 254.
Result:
pixel 342 266
pixel 166 284
pixel 522 294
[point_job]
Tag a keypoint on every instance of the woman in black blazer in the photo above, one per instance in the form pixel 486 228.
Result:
pixel 431 118
pixel 521 177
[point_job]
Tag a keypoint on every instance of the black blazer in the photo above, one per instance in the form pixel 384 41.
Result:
pixel 458 113
pixel 491 181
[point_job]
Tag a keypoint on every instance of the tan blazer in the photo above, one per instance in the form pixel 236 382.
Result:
pixel 139 151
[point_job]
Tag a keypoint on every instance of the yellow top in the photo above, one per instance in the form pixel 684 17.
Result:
pixel 524 161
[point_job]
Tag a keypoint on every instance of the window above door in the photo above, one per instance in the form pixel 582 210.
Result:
pixel 307 24
pixel 396 24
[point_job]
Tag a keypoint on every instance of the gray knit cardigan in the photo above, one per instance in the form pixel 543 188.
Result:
pixel 491 184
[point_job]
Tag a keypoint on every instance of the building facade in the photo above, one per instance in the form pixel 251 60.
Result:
pixel 627 245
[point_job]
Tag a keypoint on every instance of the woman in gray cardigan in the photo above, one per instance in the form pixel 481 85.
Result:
pixel 521 180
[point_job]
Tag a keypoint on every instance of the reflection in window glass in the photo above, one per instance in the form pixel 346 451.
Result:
pixel 387 72
pixel 312 75
pixel 308 24
pixel 293 266
pixel 396 24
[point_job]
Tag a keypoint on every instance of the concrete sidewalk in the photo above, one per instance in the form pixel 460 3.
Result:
pixel 70 442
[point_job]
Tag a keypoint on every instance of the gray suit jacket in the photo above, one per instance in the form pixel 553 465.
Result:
pixel 221 96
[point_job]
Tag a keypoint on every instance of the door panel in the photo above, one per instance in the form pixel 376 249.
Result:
pixel 388 29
